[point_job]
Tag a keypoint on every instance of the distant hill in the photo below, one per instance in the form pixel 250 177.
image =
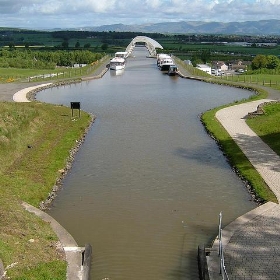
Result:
pixel 262 27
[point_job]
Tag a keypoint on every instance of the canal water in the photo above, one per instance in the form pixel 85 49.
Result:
pixel 147 186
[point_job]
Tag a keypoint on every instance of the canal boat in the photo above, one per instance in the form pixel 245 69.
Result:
pixel 117 63
pixel 160 58
pixel 121 54
pixel 165 62
pixel 172 71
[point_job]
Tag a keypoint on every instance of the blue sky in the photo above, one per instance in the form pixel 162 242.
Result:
pixel 47 14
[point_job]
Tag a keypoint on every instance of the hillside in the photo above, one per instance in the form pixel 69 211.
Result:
pixel 263 27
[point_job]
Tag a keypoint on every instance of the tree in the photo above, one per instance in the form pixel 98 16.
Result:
pixel 104 47
pixel 273 62
pixel 11 45
pixel 65 44
pixel 87 46
pixel 205 55
pixel 260 61
pixel 77 44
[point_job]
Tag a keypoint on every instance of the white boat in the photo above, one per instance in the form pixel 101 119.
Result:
pixel 160 57
pixel 117 63
pixel 164 61
pixel 121 54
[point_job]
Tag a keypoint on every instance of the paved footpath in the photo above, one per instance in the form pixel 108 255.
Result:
pixel 252 242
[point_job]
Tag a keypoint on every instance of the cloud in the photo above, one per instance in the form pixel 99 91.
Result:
pixel 72 13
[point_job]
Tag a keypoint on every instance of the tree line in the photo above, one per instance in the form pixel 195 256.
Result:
pixel 46 59
pixel 271 62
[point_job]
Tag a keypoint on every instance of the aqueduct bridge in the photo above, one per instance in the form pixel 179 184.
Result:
pixel 150 44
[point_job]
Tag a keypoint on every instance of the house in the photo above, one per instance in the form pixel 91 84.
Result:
pixel 220 66
pixel 204 67
pixel 235 65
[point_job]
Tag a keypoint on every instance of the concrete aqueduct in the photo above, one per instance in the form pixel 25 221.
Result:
pixel 150 44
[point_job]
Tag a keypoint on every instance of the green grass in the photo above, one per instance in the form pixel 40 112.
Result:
pixel 267 126
pixel 9 75
pixel 35 140
pixel 268 80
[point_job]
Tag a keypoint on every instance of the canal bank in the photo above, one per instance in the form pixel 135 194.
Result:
pixel 248 247
pixel 250 244
pixel 78 258
pixel 27 91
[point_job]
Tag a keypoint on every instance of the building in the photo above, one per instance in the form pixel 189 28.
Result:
pixel 220 66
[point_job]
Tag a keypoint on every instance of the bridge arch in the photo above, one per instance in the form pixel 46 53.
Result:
pixel 150 44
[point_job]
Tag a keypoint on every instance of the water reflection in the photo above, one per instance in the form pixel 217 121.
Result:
pixel 148 184
pixel 116 72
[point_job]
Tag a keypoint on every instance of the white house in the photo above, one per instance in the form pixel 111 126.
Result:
pixel 204 67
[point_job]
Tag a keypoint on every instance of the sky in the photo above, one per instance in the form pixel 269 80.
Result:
pixel 49 14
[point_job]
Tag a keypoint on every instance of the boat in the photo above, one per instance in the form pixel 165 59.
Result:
pixel 121 54
pixel 117 63
pixel 160 57
pixel 164 62
pixel 172 71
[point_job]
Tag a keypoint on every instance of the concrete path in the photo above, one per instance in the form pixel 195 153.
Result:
pixel 21 95
pixel 252 242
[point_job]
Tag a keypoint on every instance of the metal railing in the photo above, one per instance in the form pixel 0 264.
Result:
pixel 223 271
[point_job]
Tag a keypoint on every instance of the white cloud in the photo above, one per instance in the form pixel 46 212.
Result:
pixel 73 13
pixel 153 3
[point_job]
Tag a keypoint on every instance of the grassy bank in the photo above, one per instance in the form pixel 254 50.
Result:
pixel 236 157
pixel 35 140
pixel 268 80
pixel 11 75
pixel 267 126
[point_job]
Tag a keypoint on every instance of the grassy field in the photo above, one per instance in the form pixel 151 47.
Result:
pixel 171 44
pixel 10 75
pixel 268 80
pixel 35 140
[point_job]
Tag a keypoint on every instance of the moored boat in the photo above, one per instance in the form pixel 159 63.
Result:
pixel 164 61
pixel 172 71
pixel 160 58
pixel 121 54
pixel 117 63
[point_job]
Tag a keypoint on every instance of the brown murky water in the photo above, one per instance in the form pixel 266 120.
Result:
pixel 148 184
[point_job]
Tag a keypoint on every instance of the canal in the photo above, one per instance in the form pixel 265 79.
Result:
pixel 148 184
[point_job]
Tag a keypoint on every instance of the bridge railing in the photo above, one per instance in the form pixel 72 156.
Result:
pixel 223 271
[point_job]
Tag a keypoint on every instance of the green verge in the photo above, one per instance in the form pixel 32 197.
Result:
pixel 234 155
pixel 267 126
pixel 35 140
